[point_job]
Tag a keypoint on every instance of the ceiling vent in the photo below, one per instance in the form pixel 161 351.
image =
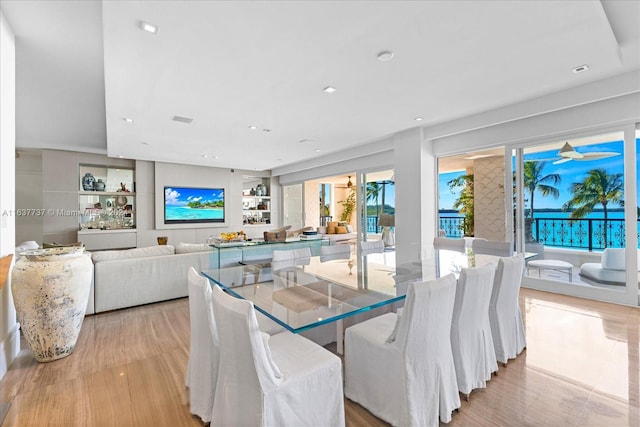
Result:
pixel 180 119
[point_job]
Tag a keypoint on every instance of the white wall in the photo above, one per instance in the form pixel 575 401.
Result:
pixel 171 174
pixel 9 334
pixel 29 194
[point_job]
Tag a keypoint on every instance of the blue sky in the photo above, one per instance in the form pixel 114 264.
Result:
pixel 570 172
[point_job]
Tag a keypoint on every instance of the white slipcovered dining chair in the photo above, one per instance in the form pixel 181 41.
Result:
pixel 371 247
pixel 505 317
pixel 490 247
pixel 278 380
pixel 401 367
pixel 328 253
pixel 449 244
pixel 471 342
pixel 292 254
pixel 202 367
pixel 285 262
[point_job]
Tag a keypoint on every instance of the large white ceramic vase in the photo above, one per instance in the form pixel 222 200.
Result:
pixel 50 290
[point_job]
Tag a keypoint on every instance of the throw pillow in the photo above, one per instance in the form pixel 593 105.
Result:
pixel 341 229
pixel 349 228
pixel 185 248
pixel 331 227
pixel 133 253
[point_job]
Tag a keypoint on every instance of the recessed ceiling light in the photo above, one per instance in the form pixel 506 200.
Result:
pixel 317 150
pixel 215 157
pixel 385 55
pixel 127 119
pixel 181 119
pixel 419 119
pixel 266 130
pixel 329 89
pixel 253 127
pixel 306 141
pixel 148 27
pixel 120 157
pixel 580 69
pixel 205 155
pixel 145 143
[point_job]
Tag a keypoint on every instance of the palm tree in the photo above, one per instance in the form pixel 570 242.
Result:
pixel 597 188
pixel 464 202
pixel 373 193
pixel 534 180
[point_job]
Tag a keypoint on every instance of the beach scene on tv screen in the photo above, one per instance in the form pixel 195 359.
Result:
pixel 193 204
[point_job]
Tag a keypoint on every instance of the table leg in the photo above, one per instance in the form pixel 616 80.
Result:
pixel 339 337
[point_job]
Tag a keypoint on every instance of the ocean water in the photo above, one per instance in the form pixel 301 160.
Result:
pixel 185 212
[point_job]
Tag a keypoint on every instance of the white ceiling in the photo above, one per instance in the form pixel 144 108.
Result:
pixel 84 66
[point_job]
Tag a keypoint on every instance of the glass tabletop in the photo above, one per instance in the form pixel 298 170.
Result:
pixel 310 292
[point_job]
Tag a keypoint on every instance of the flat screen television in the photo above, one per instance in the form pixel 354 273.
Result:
pixel 185 205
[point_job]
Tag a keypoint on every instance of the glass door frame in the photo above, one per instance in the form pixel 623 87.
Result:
pixel 630 295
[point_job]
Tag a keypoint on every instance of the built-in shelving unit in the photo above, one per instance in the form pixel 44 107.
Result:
pixel 256 205
pixel 106 213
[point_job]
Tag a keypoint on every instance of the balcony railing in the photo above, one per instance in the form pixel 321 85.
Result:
pixel 586 233
pixel 372 224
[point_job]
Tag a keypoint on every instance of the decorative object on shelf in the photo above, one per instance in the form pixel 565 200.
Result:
pixel 261 190
pixel 123 188
pixel 163 240
pixel 252 192
pixel 99 185
pixel 50 290
pixel 121 201
pixel 87 181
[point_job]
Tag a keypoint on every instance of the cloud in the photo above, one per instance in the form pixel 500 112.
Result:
pixel 171 197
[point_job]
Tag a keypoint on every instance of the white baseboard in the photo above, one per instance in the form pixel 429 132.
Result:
pixel 9 349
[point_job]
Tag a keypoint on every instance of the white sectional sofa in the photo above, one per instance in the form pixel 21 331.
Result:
pixel 139 276
pixel 335 238
pixel 145 275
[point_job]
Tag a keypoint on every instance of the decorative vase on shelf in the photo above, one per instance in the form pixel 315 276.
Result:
pixel 99 185
pixel 50 290
pixel 261 190
pixel 87 182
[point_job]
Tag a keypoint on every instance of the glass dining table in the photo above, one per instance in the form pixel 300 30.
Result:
pixel 310 292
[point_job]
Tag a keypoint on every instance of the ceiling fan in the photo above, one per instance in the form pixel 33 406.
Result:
pixel 568 153
pixel 348 185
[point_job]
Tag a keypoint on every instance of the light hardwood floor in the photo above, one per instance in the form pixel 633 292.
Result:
pixel 580 368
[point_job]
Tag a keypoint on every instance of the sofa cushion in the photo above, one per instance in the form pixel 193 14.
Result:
pixel 185 248
pixel 595 272
pixel 613 259
pixel 133 253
